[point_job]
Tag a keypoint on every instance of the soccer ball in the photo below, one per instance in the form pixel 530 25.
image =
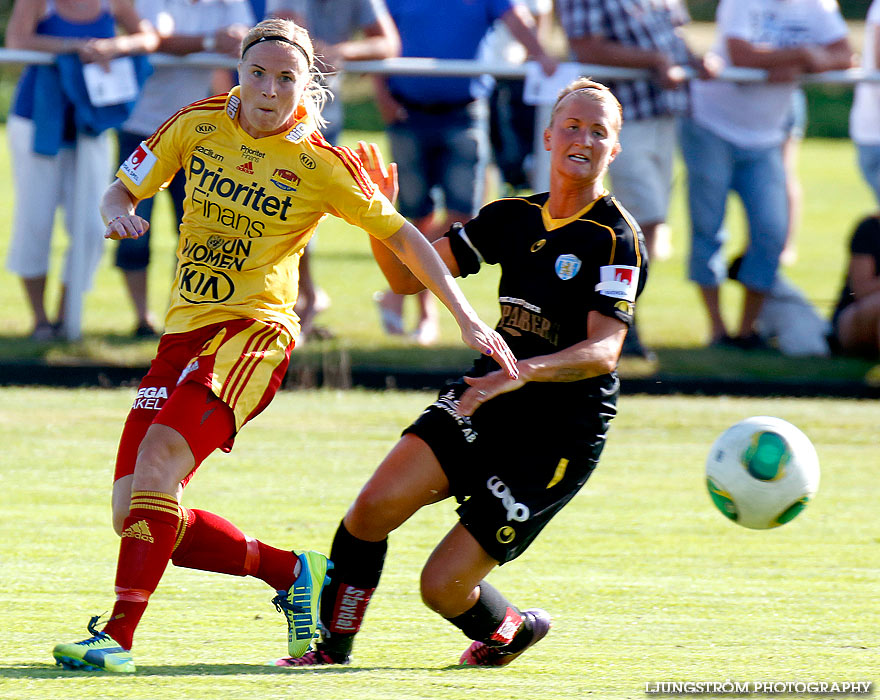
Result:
pixel 762 472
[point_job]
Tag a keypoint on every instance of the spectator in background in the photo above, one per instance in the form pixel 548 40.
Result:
pixel 788 320
pixel 511 121
pixel 438 127
pixel 733 141
pixel 185 27
pixel 343 30
pixel 856 320
pixel 864 119
pixel 639 34
pixel 59 145
pixel 795 128
pixel 258 8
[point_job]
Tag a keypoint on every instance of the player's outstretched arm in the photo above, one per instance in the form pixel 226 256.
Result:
pixel 596 355
pixel 414 251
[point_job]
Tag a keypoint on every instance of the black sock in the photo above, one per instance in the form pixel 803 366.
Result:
pixel 494 621
pixel 357 568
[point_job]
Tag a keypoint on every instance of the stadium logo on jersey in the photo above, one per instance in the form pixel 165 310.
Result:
pixel 567 266
pixel 286 180
pixel 139 164
pixel 307 161
pixel 537 245
pixel 198 283
pixel 619 281
pixel 247 168
pixel 205 128
pixel 505 535
pixel 210 152
pixel 515 511
pixel 296 133
pixel 232 106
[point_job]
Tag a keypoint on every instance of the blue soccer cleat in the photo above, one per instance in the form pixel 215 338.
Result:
pixel 100 652
pixel 301 604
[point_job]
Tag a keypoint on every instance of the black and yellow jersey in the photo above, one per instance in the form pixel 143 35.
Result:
pixel 553 273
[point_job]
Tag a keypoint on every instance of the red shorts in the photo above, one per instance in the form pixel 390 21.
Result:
pixel 206 384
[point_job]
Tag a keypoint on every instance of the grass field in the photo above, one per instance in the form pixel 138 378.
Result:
pixel 670 314
pixel 645 580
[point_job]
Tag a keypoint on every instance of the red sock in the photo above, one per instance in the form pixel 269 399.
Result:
pixel 147 540
pixel 210 543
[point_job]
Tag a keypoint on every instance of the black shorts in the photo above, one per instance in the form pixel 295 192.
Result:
pixel 512 467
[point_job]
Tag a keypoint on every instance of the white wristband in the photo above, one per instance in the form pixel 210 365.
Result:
pixel 209 42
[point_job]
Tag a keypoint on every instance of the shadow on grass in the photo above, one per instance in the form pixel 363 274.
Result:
pixel 109 348
pixel 51 671
pixel 334 362
pixel 731 363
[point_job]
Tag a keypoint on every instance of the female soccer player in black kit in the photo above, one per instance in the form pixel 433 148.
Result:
pixel 512 452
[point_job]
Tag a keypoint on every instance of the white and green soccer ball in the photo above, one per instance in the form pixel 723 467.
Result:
pixel 762 472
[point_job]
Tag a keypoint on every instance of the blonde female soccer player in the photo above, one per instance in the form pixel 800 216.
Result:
pixel 511 451
pixel 259 179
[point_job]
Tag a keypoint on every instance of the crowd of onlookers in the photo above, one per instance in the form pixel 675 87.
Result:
pixel 445 131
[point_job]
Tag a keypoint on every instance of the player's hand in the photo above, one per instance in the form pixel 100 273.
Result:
pixel 126 226
pixel 384 177
pixel 482 389
pixel 489 342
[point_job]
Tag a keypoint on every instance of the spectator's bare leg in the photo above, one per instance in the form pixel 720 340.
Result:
pixel 305 302
pixel 35 290
pixel 713 308
pixel 794 194
pixel 751 308
pixel 859 326
pixel 136 282
pixel 658 239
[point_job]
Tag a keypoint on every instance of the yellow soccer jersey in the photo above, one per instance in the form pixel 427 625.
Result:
pixel 251 207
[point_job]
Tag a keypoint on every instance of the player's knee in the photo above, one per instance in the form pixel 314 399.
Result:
pixel 163 460
pixel 440 594
pixel 371 516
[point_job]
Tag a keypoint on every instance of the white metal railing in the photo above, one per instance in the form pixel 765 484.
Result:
pixel 445 67
pixel 465 68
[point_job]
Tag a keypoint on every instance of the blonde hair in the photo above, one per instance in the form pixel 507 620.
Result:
pixel 593 90
pixel 275 29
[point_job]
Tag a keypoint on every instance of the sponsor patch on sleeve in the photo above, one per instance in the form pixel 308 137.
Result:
pixel 618 281
pixel 139 164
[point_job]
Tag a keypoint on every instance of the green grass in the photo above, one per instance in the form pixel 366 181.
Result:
pixel 644 579
pixel 670 314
